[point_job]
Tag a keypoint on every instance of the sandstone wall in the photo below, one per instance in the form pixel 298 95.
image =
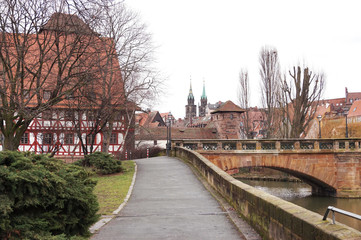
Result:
pixel 272 217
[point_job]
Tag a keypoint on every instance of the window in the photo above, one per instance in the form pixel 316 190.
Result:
pixel 26 94
pixel 47 138
pixel 90 116
pixel 155 142
pixel 25 138
pixel 69 138
pixel 47 94
pixel 69 115
pixel 90 138
pixel 47 115
pixel 70 96
pixel 91 96
pixel 118 117
pixel 231 116
pixel 113 138
pixel 1 137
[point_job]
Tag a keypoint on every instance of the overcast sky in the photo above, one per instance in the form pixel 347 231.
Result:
pixel 212 40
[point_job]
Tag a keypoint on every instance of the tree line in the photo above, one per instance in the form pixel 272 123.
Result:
pixel 88 56
pixel 289 100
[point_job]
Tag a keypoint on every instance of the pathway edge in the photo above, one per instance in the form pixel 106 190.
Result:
pixel 106 218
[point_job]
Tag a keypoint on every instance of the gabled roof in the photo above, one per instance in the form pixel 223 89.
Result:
pixel 355 109
pixel 228 106
pixel 150 120
pixel 67 23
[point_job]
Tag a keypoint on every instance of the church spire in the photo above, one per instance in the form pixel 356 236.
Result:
pixel 204 91
pixel 190 95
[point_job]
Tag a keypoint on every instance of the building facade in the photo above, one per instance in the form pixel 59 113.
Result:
pixel 76 123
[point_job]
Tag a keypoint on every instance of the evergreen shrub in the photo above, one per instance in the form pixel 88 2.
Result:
pixel 102 163
pixel 42 198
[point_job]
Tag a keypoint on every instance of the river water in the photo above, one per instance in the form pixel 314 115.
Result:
pixel 300 194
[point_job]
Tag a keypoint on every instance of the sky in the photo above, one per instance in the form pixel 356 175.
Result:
pixel 211 41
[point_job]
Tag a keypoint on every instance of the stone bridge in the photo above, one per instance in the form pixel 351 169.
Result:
pixel 331 166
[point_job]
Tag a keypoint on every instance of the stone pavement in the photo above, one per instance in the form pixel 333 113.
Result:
pixel 169 202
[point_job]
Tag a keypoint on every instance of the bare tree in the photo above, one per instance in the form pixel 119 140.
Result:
pixel 243 99
pixel 44 57
pixel 125 81
pixel 301 95
pixel 132 44
pixel 270 85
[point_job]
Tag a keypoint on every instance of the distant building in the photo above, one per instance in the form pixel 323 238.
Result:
pixel 211 107
pixel 227 119
pixel 191 109
pixel 354 114
pixel 203 106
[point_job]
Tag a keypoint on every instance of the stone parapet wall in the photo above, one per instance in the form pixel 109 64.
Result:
pixel 272 217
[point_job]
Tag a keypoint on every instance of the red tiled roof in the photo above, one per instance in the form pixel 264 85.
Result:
pixel 96 65
pixel 149 120
pixel 160 133
pixel 228 106
pixel 355 109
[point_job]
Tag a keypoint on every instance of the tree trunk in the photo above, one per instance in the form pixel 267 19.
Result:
pixel 107 132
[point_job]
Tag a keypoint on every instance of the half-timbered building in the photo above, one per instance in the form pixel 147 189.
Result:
pixel 79 122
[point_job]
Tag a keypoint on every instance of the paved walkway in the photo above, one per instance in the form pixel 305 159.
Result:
pixel 168 202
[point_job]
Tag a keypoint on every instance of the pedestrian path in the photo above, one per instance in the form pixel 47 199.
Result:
pixel 169 202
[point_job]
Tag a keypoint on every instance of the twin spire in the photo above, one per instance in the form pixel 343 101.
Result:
pixel 190 95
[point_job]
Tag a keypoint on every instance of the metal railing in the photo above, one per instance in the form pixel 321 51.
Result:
pixel 333 209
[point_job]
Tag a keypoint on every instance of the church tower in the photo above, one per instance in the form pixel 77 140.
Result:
pixel 191 109
pixel 202 107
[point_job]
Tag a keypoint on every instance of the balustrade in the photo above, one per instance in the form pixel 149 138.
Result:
pixel 297 145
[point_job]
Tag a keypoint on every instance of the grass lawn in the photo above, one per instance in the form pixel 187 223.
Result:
pixel 112 189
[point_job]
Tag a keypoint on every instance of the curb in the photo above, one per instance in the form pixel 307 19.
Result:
pixel 105 219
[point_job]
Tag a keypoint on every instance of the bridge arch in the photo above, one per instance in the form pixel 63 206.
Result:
pixel 319 187
pixel 319 171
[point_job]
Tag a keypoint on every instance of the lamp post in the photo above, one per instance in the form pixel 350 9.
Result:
pixel 346 134
pixel 319 117
pixel 169 134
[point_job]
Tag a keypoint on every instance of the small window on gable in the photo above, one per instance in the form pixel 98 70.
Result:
pixel 47 115
pixel 47 94
pixel 90 116
pixel 69 115
pixel 354 109
pixel 26 94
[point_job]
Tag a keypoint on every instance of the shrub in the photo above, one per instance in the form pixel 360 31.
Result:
pixel 102 163
pixel 42 197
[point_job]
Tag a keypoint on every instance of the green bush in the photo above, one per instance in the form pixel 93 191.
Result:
pixel 41 197
pixel 102 163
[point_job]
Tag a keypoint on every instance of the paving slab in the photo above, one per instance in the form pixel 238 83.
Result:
pixel 169 202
